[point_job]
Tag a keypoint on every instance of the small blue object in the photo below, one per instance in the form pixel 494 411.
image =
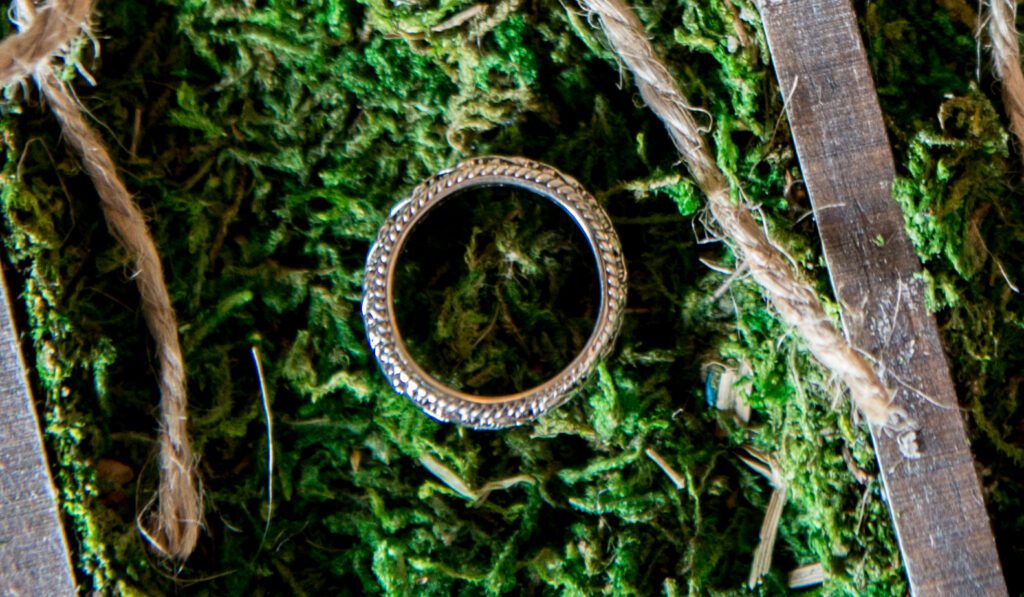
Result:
pixel 710 393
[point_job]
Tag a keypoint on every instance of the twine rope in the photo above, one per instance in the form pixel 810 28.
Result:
pixel 43 35
pixel 793 298
pixel 40 37
pixel 1002 29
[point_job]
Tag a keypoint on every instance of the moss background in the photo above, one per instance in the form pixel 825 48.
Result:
pixel 266 140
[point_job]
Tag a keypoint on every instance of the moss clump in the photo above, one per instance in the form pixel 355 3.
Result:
pixel 503 299
pixel 272 140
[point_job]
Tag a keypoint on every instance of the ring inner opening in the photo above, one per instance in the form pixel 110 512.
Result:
pixel 495 291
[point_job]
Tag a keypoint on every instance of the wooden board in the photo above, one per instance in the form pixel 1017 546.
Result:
pixel 936 500
pixel 33 554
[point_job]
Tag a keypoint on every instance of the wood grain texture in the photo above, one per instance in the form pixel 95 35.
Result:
pixel 935 499
pixel 33 553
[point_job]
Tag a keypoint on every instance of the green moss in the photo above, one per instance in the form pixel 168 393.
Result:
pixel 274 137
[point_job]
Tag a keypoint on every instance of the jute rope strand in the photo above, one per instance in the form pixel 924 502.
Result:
pixel 41 37
pixel 179 511
pixel 1002 28
pixel 795 301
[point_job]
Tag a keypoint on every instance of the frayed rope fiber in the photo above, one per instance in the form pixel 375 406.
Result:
pixel 795 300
pixel 1002 27
pixel 43 34
pixel 40 37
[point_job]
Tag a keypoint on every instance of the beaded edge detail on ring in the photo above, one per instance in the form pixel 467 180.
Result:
pixel 407 378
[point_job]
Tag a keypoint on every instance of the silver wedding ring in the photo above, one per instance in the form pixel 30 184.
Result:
pixel 407 377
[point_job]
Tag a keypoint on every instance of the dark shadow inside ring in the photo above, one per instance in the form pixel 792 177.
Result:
pixel 495 290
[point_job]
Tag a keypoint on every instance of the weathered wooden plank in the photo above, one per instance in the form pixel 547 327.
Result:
pixel 935 498
pixel 33 553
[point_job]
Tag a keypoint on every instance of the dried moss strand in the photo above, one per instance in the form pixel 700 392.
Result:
pixel 795 300
pixel 1006 58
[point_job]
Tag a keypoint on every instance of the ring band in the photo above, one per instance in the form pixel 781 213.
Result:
pixel 406 376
